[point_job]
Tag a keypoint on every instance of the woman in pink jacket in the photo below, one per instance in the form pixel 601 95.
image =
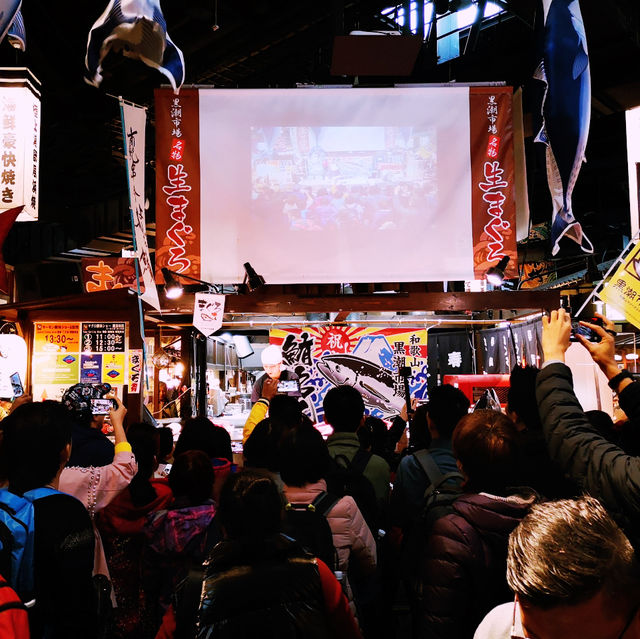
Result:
pixel 304 461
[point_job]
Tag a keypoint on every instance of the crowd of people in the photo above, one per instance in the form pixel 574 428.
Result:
pixel 487 524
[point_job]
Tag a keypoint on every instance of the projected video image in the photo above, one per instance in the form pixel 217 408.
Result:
pixel 326 178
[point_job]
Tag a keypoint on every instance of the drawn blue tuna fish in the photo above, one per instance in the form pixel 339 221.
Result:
pixel 374 382
pixel 566 111
pixel 8 11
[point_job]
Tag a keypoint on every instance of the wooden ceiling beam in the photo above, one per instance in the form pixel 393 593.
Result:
pixel 278 304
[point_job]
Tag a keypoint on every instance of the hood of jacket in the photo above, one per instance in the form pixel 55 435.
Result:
pixel 122 517
pixel 495 516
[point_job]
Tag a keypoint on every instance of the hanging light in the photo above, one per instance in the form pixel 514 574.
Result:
pixel 172 288
pixel 495 275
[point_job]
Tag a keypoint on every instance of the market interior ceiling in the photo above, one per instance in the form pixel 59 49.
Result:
pixel 275 43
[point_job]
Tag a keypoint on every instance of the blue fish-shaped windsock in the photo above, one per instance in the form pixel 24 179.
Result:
pixel 137 29
pixel 566 111
pixel 8 11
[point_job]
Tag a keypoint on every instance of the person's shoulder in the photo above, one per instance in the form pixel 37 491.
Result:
pixel 497 624
pixel 378 463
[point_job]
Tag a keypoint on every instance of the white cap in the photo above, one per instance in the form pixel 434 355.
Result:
pixel 271 355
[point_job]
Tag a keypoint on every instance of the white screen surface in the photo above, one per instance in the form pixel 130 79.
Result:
pixel 335 185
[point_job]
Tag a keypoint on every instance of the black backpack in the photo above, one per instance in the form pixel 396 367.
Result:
pixel 308 525
pixel 437 502
pixel 347 478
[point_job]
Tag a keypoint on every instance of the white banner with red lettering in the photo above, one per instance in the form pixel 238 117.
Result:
pixel 208 310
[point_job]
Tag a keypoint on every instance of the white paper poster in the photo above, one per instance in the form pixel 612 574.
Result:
pixel 134 121
pixel 208 310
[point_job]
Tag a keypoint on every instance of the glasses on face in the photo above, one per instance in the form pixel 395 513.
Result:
pixel 518 632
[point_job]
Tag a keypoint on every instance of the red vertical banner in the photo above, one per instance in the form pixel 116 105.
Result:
pixel 493 199
pixel 177 182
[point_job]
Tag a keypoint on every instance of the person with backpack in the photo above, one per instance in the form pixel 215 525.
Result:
pixel 463 564
pixel 344 411
pixel 415 474
pixel 36 445
pixel 304 463
pixel 14 620
pixel 260 583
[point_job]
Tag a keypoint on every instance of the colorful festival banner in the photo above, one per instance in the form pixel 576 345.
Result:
pixel 366 358
pixel 177 182
pixel 622 291
pixel 493 179
pixel 106 273
pixel 134 123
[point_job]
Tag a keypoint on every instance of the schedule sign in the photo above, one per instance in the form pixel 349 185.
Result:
pixel 103 337
pixel 61 337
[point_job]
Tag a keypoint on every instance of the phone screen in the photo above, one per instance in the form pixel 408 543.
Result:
pixel 101 406
pixel 16 385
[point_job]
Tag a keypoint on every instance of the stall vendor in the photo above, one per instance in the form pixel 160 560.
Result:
pixel 272 363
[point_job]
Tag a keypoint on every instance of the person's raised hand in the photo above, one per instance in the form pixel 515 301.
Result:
pixel 602 352
pixel 556 331
pixel 18 401
pixel 403 410
pixel 270 388
pixel 116 416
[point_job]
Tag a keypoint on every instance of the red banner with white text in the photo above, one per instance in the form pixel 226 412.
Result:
pixel 493 179
pixel 177 182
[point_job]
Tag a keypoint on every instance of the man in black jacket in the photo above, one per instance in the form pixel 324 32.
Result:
pixel 599 467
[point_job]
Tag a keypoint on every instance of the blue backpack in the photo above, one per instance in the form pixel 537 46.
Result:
pixel 17 539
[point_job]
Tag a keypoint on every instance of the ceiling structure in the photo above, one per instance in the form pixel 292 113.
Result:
pixel 278 43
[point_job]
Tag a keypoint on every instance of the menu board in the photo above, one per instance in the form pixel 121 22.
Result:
pixel 66 353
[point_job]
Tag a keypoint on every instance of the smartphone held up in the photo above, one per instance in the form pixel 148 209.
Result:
pixel 588 333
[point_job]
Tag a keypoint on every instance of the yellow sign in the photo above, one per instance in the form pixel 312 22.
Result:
pixel 113 368
pixel 622 291
pixel 57 337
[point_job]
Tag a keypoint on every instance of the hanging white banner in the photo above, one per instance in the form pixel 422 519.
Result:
pixel 134 122
pixel 208 310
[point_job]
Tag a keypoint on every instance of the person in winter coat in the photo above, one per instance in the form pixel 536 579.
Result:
pixel 259 583
pixel 599 467
pixel 182 534
pixel 464 564
pixel 304 461
pixel 121 526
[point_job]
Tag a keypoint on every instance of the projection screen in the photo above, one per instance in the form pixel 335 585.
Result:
pixel 330 185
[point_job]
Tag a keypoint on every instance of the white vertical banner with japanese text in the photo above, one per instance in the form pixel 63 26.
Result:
pixel 19 145
pixel 134 122
pixel 208 310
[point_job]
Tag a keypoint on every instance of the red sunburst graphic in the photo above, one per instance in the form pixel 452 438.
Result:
pixel 337 339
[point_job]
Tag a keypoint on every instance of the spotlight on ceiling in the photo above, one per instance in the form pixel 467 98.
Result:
pixel 172 288
pixel 495 275
pixel 251 278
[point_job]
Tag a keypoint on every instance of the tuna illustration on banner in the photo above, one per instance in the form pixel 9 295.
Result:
pixel 365 358
pixel 566 111
pixel 622 291
pixel 138 30
pixel 208 310
pixel 8 12
pixel 133 124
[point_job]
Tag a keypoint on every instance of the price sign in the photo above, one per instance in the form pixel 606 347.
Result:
pixel 103 337
pixel 57 337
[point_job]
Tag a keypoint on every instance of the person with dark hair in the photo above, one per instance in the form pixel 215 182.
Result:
pixel 538 470
pixel 259 583
pixel 180 535
pixel 344 411
pixel 574 575
pixel 447 405
pixel 36 445
pixel 464 562
pixel 303 467
pixel 199 433
pixel 91 447
pixel 121 526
